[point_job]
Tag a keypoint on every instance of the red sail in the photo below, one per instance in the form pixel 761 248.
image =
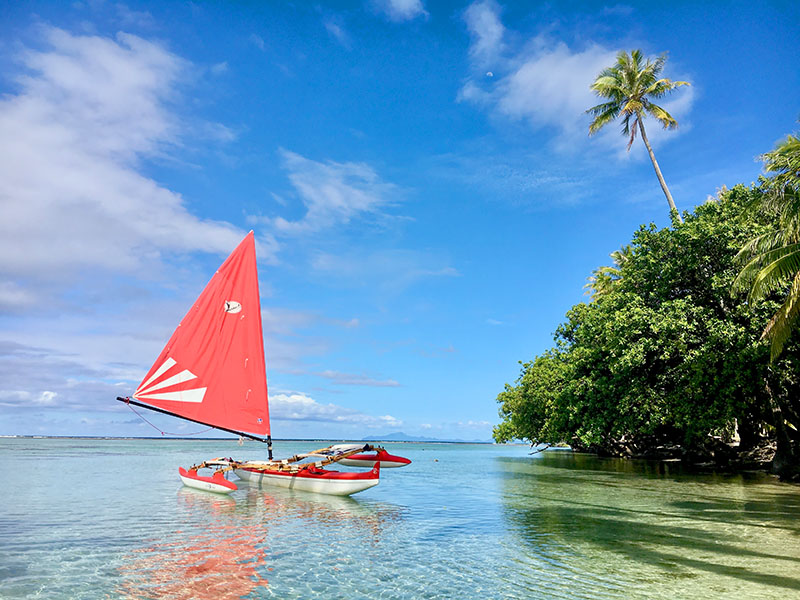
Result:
pixel 212 369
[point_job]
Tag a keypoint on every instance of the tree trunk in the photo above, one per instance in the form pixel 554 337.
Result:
pixel 663 183
pixel 786 463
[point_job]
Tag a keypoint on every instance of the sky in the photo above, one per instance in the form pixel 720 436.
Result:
pixel 425 197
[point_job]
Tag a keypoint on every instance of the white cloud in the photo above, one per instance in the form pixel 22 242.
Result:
pixel 549 86
pixel 543 82
pixel 400 11
pixel 487 31
pixel 73 202
pixel 333 193
pixel 300 407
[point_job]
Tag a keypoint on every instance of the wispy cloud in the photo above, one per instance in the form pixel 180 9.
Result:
pixel 388 270
pixel 335 28
pixel 520 179
pixel 352 379
pixel 134 18
pixel 219 68
pixel 300 407
pixel 333 193
pixel 294 336
pixel 88 110
pixel 257 41
pixel 400 11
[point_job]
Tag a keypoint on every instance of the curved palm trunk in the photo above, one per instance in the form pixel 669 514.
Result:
pixel 658 173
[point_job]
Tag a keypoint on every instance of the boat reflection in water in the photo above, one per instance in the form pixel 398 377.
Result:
pixel 221 548
pixel 212 559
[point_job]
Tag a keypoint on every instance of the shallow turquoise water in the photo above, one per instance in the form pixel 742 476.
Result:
pixel 109 519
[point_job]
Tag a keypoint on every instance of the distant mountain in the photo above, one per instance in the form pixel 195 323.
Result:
pixel 399 436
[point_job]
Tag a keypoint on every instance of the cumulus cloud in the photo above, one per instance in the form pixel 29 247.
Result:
pixel 544 81
pixel 300 407
pixel 73 199
pixel 549 86
pixel 400 11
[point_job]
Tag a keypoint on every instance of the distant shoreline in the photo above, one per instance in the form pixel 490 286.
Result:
pixel 206 439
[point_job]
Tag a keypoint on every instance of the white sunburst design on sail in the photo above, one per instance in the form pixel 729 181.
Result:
pixel 148 390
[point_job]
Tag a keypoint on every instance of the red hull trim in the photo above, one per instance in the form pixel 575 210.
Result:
pixel 382 456
pixel 311 472
pixel 217 478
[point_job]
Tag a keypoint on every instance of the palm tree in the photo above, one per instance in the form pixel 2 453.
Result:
pixel 774 257
pixel 603 279
pixel 629 85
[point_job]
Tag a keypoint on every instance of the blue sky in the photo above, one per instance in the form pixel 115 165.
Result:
pixel 425 197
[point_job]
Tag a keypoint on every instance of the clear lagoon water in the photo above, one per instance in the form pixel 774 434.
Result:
pixel 109 519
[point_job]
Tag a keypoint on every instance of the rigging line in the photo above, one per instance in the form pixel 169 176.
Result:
pixel 267 440
pixel 138 414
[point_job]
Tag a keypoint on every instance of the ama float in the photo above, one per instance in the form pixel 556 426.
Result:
pixel 212 371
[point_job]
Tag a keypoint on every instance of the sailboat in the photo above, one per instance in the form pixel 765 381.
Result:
pixel 212 371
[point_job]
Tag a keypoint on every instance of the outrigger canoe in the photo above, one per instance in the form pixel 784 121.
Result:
pixel 212 371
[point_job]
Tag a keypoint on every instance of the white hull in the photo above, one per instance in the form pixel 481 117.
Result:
pixel 334 487
pixel 206 486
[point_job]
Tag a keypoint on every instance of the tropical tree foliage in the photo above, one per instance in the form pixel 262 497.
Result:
pixel 773 258
pixel 603 279
pixel 630 86
pixel 667 362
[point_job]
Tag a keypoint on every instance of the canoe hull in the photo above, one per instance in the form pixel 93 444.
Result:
pixel 386 460
pixel 320 481
pixel 216 483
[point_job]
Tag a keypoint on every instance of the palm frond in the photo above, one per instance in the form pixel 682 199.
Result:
pixel 603 114
pixel 607 84
pixel 781 324
pixel 662 87
pixel 666 119
pixel 634 129
pixel 658 63
pixel 762 244
pixel 782 264
pixel 626 124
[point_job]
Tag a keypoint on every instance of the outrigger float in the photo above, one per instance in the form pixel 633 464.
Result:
pixel 212 372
